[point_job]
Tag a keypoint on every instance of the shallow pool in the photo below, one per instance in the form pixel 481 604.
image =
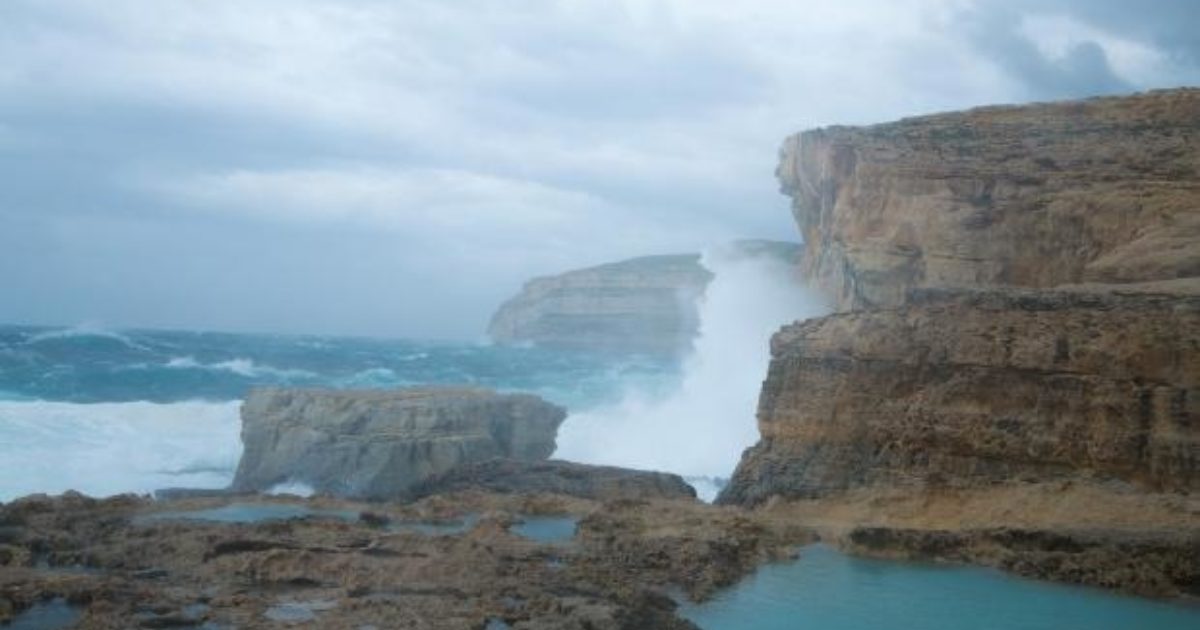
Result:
pixel 546 529
pixel 250 513
pixel 47 615
pixel 828 590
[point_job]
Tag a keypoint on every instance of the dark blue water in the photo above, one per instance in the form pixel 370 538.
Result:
pixel 828 590
pixel 85 365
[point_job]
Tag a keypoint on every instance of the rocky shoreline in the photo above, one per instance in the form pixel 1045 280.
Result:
pixel 133 561
pixel 1011 380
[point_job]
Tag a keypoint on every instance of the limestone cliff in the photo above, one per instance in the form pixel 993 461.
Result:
pixel 1097 191
pixel 1019 313
pixel 380 443
pixel 645 305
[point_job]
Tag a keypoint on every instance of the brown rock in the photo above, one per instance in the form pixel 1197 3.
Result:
pixel 1018 289
pixel 1102 190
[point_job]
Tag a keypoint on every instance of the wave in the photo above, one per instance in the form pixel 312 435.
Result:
pixel 239 366
pixel 102 449
pixel 84 331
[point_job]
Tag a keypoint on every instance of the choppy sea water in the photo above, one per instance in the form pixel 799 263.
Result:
pixel 828 590
pixel 104 412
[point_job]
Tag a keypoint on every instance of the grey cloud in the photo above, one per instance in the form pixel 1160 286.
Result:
pixel 1083 71
pixel 396 168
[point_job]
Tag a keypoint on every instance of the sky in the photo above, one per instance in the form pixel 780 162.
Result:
pixel 398 168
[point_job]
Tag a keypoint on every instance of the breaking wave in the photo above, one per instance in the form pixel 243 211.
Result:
pixel 109 448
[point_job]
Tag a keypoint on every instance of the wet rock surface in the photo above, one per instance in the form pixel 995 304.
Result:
pixel 333 573
pixel 584 481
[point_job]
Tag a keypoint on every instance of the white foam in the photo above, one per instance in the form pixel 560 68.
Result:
pixel 701 429
pixel 293 488
pixel 239 366
pixel 102 449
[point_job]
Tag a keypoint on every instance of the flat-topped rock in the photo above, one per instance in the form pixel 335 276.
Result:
pixel 379 443
pixel 602 483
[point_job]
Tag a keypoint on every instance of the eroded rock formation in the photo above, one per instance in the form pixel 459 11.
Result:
pixel 646 305
pixel 1018 294
pixel 379 443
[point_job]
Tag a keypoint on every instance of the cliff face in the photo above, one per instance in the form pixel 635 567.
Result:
pixel 1096 191
pixel 1019 297
pixel 379 444
pixel 646 305
pixel 960 389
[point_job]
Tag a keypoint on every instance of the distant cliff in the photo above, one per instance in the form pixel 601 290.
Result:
pixel 1019 332
pixel 646 304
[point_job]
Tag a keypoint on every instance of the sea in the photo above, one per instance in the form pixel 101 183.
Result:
pixel 105 411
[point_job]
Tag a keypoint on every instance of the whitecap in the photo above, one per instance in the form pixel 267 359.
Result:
pixel 240 366
pixel 83 331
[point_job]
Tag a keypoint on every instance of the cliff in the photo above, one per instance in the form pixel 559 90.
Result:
pixel 1095 191
pixel 380 443
pixel 646 305
pixel 1018 316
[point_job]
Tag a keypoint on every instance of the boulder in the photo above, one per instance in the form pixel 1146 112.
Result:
pixel 377 444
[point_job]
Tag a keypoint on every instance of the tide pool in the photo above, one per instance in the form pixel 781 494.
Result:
pixel 828 590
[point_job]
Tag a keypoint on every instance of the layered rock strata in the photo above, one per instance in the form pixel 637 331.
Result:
pixel 1018 293
pixel 379 443
pixel 643 305
pixel 966 388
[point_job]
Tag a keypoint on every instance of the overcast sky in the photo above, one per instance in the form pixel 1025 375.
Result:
pixel 398 168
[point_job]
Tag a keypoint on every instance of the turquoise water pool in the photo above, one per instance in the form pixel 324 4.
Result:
pixel 828 590
pixel 546 529
pixel 251 513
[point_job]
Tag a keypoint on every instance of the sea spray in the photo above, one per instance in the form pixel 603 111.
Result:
pixel 109 448
pixel 701 429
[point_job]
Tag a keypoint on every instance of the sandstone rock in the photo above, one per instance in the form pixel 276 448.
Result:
pixel 969 388
pixel 377 444
pixel 645 305
pixel 604 483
